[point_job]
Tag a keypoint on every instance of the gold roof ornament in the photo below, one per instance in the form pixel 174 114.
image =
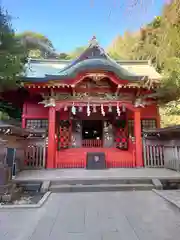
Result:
pixel 48 102
pixel 51 103
pixel 139 102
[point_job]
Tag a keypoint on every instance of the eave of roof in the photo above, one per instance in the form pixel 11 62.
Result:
pixel 15 129
pixel 87 65
pixel 166 130
pixel 8 130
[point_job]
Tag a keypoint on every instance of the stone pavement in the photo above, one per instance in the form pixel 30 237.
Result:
pixel 98 216
pixel 172 196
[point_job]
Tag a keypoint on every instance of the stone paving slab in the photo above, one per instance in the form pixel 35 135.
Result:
pixel 121 173
pixel 94 216
pixel 172 196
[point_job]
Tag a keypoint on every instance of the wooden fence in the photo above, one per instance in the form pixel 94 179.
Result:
pixel 172 157
pixel 35 155
pixel 2 153
pixel 161 155
pixel 153 155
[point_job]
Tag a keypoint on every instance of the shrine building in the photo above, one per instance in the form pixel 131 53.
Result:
pixel 92 106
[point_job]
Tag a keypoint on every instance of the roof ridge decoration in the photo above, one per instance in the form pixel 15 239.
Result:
pixel 93 42
pixel 88 53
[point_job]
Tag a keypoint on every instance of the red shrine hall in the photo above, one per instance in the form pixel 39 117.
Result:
pixel 93 109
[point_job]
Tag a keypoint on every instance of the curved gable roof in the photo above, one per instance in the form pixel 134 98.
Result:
pixel 95 58
pixel 92 59
pixel 96 64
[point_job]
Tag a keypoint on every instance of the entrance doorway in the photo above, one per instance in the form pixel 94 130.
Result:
pixel 92 129
pixel 92 133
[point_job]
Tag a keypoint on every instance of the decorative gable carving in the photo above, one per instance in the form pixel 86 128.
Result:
pixel 95 81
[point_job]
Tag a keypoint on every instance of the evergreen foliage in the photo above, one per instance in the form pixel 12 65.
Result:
pixel 12 54
pixel 159 42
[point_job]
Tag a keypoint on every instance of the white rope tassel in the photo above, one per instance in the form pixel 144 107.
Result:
pixel 73 109
pixel 102 110
pixel 110 108
pixel 80 109
pixel 88 110
pixel 94 108
pixel 118 110
pixel 123 108
pixel 65 108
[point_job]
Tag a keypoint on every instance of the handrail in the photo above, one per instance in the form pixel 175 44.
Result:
pixel 91 143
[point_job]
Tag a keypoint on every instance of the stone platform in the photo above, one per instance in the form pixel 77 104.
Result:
pixel 107 174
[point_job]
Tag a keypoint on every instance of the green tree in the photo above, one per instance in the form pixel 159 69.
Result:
pixel 158 41
pixel 12 54
pixel 64 56
pixel 7 110
pixel 124 47
pixel 37 44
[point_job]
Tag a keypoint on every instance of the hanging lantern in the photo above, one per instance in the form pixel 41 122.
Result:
pixel 123 108
pixel 88 110
pixel 94 109
pixel 102 110
pixel 73 109
pixel 65 108
pixel 80 109
pixel 110 108
pixel 118 110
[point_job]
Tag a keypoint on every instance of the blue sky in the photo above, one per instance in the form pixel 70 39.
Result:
pixel 72 23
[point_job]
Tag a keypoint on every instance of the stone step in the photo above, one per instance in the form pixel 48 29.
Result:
pixel 100 187
pixel 97 181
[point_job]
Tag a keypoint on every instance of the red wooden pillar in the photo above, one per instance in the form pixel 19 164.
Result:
pixel 158 119
pixel 138 140
pixel 23 121
pixel 51 138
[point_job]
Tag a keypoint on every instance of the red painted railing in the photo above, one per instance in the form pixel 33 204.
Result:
pixel 91 143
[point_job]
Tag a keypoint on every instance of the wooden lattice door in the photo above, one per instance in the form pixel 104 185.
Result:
pixel 64 134
pixel 121 134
